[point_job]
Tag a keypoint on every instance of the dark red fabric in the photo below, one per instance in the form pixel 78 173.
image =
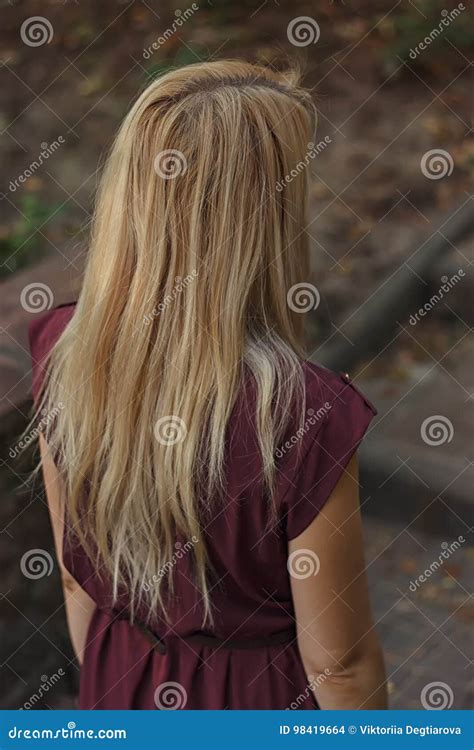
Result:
pixel 251 591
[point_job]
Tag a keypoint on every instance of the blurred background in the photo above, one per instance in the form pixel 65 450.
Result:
pixel 391 227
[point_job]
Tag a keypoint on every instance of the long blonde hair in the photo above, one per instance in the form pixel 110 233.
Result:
pixel 193 251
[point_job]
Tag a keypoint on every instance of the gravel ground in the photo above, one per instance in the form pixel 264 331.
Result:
pixel 425 627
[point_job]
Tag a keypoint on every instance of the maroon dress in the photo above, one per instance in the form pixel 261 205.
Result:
pixel 249 659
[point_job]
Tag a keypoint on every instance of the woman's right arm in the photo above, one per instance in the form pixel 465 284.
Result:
pixel 79 605
pixel 336 637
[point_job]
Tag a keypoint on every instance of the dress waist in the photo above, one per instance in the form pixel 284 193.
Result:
pixel 201 639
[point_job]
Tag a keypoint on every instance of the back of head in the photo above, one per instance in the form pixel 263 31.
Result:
pixel 195 245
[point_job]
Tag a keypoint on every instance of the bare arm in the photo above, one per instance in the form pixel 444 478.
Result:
pixel 79 605
pixel 337 641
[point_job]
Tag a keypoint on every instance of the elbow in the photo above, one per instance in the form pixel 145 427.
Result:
pixel 351 665
pixel 353 680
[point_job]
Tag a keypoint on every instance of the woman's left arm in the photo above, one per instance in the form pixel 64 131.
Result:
pixel 336 636
pixel 79 605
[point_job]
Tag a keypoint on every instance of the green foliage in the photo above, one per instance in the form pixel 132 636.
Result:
pixel 21 243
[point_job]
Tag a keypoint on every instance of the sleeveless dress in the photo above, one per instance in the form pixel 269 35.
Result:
pixel 250 658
